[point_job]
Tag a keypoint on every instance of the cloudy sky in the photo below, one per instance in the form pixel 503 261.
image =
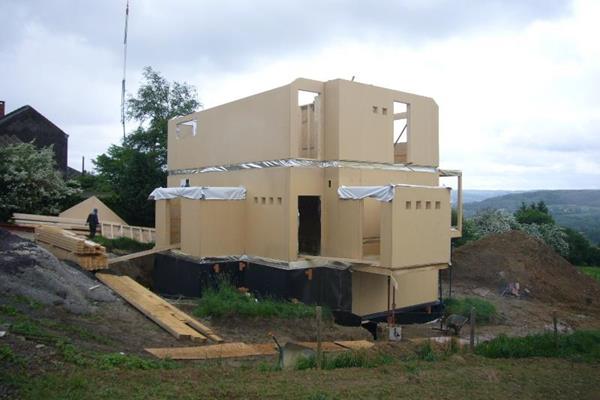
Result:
pixel 517 82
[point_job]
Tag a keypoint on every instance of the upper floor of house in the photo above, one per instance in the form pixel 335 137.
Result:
pixel 333 120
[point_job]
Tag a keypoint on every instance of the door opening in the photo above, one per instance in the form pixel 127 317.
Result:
pixel 309 225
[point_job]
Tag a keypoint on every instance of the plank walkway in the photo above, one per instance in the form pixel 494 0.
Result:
pixel 169 317
pixel 142 253
pixel 239 349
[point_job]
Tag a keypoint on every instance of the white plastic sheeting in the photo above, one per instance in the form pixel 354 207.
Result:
pixel 302 163
pixel 200 193
pixel 381 193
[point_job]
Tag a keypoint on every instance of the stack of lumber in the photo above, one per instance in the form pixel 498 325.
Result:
pixel 71 224
pixel 66 245
pixel 239 349
pixel 167 316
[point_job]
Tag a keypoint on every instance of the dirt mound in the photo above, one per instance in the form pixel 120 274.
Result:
pixel 497 260
pixel 30 271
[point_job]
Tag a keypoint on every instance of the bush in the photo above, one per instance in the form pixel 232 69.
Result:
pixel 29 181
pixel 485 311
pixel 553 235
pixel 488 222
pixel 227 301
pixel 581 345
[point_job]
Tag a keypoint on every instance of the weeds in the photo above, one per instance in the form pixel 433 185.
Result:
pixel 7 355
pixel 425 352
pixel 580 345
pixel 227 301
pixel 485 310
pixel 122 243
pixel 118 360
pixel 349 359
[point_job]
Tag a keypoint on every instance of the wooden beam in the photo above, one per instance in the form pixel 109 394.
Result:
pixel 143 253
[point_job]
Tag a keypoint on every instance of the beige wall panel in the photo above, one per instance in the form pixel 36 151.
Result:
pixel 365 133
pixel 415 227
pixel 267 212
pixel 162 221
pixel 221 227
pixel 175 220
pixel 251 129
pixel 83 209
pixel 369 291
pixel 190 227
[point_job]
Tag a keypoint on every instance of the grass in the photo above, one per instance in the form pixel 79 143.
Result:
pixel 485 311
pixel 122 243
pixel 479 378
pixel 580 345
pixel 594 272
pixel 227 301
pixel 349 359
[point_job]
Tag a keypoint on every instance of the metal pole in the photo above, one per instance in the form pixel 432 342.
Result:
pixel 472 323
pixel 319 353
pixel 124 69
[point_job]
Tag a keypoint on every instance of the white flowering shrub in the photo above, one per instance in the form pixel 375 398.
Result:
pixel 551 234
pixel 494 221
pixel 29 182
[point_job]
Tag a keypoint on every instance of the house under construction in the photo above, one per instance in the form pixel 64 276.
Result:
pixel 328 192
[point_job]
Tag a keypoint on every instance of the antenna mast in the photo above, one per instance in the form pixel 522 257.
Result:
pixel 124 70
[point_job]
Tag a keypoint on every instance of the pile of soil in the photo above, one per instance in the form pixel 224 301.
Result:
pixel 497 260
pixel 30 271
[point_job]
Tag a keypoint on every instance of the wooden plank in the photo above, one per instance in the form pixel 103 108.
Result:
pixel 88 262
pixel 223 350
pixel 47 218
pixel 234 350
pixel 325 346
pixel 140 298
pixel 354 344
pixel 143 253
pixel 169 317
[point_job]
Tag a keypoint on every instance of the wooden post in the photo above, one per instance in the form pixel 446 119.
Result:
pixel 472 324
pixel 555 326
pixel 318 313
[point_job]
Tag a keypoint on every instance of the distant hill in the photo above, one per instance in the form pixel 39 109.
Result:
pixel 576 209
pixel 470 196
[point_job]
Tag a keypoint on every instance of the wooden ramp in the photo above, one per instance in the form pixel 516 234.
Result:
pixel 169 317
pixel 142 253
pixel 234 350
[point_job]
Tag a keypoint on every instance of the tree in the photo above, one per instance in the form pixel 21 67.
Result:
pixel 534 214
pixel 581 251
pixel 139 165
pixel 29 181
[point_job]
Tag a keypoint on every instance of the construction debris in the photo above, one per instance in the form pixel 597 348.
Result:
pixel 170 318
pixel 239 349
pixel 67 245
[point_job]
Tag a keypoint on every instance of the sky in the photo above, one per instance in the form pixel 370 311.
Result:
pixel 517 82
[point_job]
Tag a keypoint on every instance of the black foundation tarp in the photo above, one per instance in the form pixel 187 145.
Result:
pixel 327 286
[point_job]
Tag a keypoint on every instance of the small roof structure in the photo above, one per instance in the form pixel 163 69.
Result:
pixel 82 210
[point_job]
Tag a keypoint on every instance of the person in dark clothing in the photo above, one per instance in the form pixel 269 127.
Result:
pixel 92 221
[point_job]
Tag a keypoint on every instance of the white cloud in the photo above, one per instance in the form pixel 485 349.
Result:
pixel 519 101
